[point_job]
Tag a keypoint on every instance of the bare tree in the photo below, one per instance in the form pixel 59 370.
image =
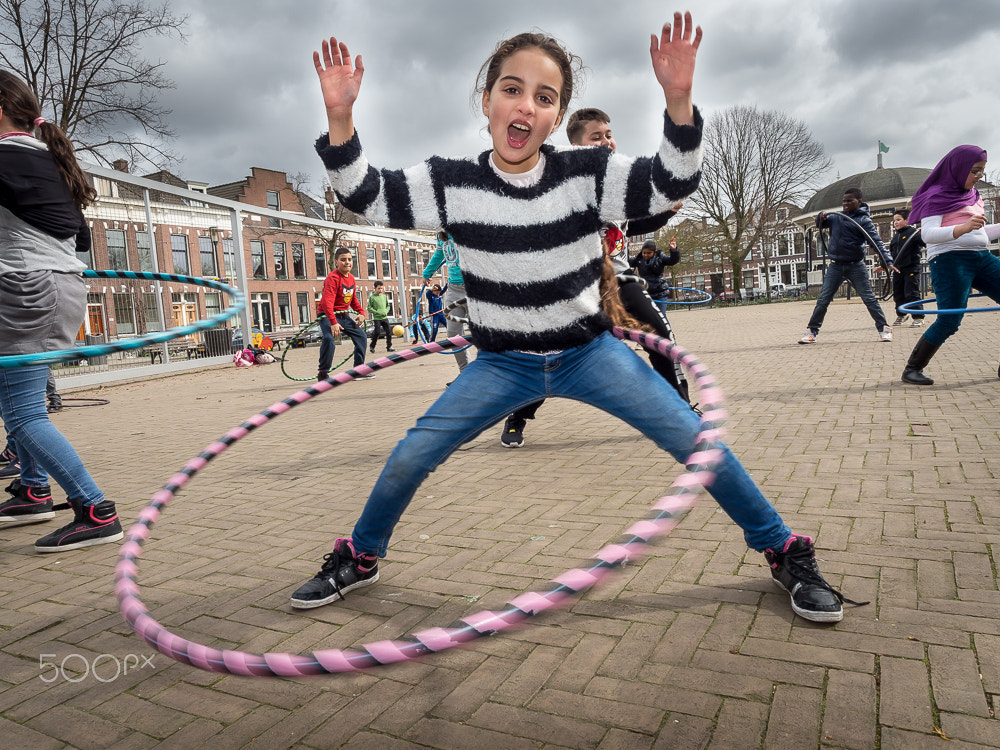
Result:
pixel 755 160
pixel 83 59
pixel 333 210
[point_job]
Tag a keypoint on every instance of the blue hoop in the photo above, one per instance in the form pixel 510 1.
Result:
pixel 708 297
pixel 416 321
pixel 908 307
pixel 124 345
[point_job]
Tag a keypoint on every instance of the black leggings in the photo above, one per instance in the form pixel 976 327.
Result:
pixel 640 306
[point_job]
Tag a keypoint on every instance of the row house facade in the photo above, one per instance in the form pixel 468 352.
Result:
pixel 286 261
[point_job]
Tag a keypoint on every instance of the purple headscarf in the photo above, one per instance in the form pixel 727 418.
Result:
pixel 944 189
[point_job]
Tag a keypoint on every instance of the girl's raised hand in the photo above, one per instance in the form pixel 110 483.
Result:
pixel 673 55
pixel 340 83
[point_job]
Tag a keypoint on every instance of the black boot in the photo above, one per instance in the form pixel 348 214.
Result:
pixel 919 358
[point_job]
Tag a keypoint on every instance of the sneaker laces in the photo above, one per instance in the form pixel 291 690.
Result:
pixel 331 564
pixel 801 563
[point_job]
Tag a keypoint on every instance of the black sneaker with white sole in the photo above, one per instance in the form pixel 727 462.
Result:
pixel 343 570
pixel 513 432
pixel 794 568
pixel 28 505
pixel 91 525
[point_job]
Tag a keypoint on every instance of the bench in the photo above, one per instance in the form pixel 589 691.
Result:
pixel 155 352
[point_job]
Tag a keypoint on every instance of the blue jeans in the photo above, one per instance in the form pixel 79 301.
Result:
pixel 41 448
pixel 328 344
pixel 954 274
pixel 604 373
pixel 857 275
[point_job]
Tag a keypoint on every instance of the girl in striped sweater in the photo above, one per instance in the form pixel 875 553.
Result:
pixel 526 217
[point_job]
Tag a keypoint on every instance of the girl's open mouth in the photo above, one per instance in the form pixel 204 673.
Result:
pixel 518 134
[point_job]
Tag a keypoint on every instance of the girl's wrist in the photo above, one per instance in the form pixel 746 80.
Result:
pixel 680 108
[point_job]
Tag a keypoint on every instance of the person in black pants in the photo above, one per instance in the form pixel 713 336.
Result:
pixel 905 250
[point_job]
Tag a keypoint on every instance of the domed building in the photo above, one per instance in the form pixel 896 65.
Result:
pixel 882 187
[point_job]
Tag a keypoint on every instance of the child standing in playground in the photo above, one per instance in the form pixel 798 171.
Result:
pixel 850 234
pixel 42 304
pixel 527 218
pixel 434 307
pixel 378 308
pixel 650 264
pixel 905 249
pixel 340 296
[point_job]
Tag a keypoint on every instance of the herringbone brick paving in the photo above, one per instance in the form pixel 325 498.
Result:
pixel 692 648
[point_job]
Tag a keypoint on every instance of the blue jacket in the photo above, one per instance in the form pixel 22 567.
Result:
pixel 848 243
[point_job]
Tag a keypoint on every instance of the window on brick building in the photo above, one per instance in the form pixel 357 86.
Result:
pixel 179 251
pixel 257 259
pixel 280 269
pixel 206 250
pixel 117 251
pixel 302 302
pixel 284 309
pixel 274 203
pixel 321 271
pixel 145 252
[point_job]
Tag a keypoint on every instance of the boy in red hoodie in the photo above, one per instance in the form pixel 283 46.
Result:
pixel 339 298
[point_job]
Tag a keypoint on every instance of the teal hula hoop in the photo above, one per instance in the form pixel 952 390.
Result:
pixel 124 345
pixel 909 307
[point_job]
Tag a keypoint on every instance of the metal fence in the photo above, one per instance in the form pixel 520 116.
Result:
pixel 272 255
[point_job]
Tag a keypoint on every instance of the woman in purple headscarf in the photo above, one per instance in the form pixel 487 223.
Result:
pixel 953 224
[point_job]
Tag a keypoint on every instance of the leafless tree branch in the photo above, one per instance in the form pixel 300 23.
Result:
pixel 755 161
pixel 84 60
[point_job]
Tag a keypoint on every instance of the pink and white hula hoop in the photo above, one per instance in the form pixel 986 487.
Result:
pixel 699 472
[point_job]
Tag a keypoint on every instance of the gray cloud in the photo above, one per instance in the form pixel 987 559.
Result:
pixel 855 72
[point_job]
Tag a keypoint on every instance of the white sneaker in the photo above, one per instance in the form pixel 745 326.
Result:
pixel 886 334
pixel 369 376
pixel 917 323
pixel 809 338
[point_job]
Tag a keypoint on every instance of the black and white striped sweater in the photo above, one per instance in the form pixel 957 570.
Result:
pixel 531 256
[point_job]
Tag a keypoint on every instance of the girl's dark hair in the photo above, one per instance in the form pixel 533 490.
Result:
pixel 569 64
pixel 611 301
pixel 20 105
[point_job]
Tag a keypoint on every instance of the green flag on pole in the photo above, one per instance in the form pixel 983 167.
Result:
pixel 882 148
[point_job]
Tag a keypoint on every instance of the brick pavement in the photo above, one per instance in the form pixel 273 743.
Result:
pixel 692 648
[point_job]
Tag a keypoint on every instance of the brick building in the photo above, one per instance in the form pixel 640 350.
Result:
pixel 286 260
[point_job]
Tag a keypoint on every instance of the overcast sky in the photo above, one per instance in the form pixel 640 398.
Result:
pixel 919 75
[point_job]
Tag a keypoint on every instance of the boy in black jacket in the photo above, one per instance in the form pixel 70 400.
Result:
pixel 905 248
pixel 850 234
